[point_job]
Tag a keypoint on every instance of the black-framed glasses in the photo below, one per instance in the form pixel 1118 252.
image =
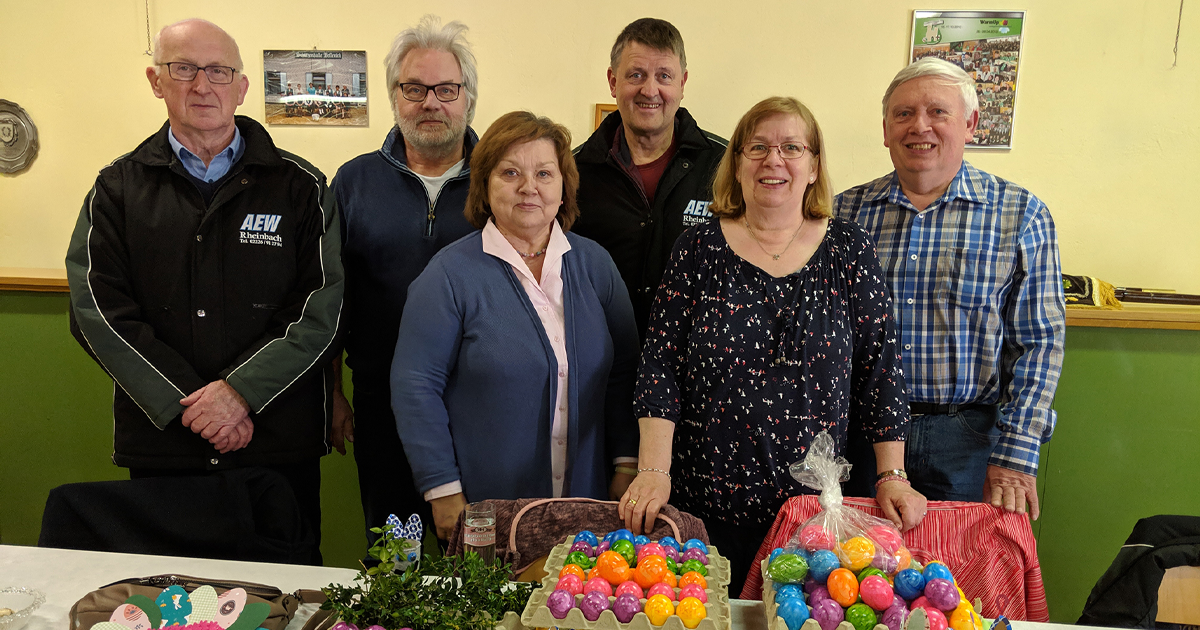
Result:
pixel 444 92
pixel 183 71
pixel 787 150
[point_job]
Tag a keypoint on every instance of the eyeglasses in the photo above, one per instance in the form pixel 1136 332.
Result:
pixel 787 150
pixel 445 92
pixel 180 71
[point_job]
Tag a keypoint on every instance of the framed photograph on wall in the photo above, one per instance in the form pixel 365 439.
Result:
pixel 315 87
pixel 602 111
pixel 987 45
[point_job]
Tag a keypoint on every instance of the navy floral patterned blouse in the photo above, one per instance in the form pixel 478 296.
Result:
pixel 751 367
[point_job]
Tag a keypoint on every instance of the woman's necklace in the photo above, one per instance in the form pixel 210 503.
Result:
pixel 785 247
pixel 533 255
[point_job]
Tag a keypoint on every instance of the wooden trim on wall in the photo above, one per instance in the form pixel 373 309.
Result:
pixel 1153 316
pixel 33 279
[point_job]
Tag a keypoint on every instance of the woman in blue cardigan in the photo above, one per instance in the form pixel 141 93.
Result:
pixel 514 368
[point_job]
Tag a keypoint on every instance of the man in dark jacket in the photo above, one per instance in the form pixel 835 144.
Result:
pixel 399 206
pixel 646 173
pixel 206 279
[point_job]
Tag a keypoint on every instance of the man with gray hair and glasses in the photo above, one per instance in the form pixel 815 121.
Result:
pixel 972 262
pixel 400 205
pixel 206 279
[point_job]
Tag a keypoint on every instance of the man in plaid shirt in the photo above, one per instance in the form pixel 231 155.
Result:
pixel 972 262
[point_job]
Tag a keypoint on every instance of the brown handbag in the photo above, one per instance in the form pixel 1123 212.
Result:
pixel 98 605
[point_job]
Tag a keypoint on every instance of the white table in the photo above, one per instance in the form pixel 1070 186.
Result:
pixel 65 576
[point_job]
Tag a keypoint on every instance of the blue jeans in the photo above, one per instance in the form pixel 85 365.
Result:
pixel 946 455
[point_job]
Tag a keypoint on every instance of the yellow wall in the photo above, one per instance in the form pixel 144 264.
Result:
pixel 1106 130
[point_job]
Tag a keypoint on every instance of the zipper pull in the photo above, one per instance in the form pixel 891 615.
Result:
pixel 429 222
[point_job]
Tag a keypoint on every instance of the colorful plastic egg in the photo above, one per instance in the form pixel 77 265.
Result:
pixel 965 618
pixel 603 546
pixel 903 559
pixel 810 583
pixel 587 537
pixel 694 565
pixel 592 573
pixel 695 554
pixel 861 617
pixel 691 611
pixel 788 590
pixel 650 571
pixel 937 619
pixel 609 537
pixel 909 584
pixel 669 541
pixel 818 593
pixel 886 536
pixel 774 554
pixel 622 534
pixel 580 558
pixel 570 583
pixel 876 592
pixel 936 570
pixel 650 549
pixel 843 587
pixel 672 564
pixel 625 548
pixel 941 593
pixel 857 553
pixel 584 547
pixel 885 561
pixel 671 553
pixel 693 577
pixel 626 606
pixel 862 575
pixel 828 613
pixel 598 584
pixel 669 578
pixel 923 602
pixel 611 566
pixel 658 608
pixel 694 590
pixel 629 588
pixel 822 563
pixel 814 537
pixel 894 617
pixel 794 612
pixel 593 604
pixel 572 569
pixel 640 540
pixel 560 602
pixel 662 588
pixel 788 568
pixel 694 543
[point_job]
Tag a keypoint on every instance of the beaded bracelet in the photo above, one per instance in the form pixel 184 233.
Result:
pixel 626 470
pixel 892 478
pixel 657 470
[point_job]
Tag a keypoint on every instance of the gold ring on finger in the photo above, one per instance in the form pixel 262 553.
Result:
pixel 633 502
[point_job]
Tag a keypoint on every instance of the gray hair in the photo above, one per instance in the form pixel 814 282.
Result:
pixel 942 69
pixel 430 34
pixel 653 33
pixel 157 56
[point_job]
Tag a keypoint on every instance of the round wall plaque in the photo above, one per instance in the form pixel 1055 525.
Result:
pixel 18 138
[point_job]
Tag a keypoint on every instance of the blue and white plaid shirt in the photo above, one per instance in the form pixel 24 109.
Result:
pixel 977 289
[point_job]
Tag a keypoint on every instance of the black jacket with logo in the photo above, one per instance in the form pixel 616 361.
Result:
pixel 169 293
pixel 614 210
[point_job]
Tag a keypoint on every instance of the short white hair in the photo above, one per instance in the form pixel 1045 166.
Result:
pixel 942 69
pixel 431 35
pixel 157 56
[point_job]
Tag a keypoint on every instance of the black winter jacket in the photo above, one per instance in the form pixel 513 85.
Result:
pixel 169 294
pixel 614 210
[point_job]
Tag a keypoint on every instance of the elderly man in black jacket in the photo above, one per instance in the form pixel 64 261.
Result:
pixel 206 279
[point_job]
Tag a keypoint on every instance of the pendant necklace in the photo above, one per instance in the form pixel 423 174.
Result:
pixel 760 245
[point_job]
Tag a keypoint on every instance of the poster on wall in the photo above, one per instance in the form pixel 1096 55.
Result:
pixel 316 87
pixel 987 44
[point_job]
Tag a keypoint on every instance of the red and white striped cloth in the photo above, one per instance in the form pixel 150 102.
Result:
pixel 992 553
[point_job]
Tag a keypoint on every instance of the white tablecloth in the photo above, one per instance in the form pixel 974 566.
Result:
pixel 65 576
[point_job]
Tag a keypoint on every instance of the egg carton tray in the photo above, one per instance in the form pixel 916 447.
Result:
pixel 916 619
pixel 537 615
